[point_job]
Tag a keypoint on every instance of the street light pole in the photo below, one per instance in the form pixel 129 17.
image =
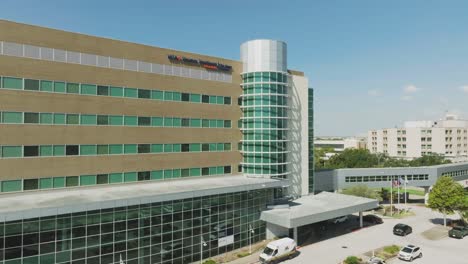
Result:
pixel 251 231
pixel 202 244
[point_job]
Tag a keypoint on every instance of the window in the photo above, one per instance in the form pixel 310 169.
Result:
pixel 103 90
pixel 102 179
pixel 168 148
pixel 12 117
pixel 102 149
pixel 227 169
pixel 144 148
pixel 156 148
pixel 46 118
pixel 157 121
pixel 32 85
pixel 47 86
pixel 31 118
pixel 59 119
pixel 71 181
pixel 88 119
pixel 158 95
pixel 168 96
pixel 116 91
pixel 205 99
pixel 87 180
pixel 130 149
pixel 185 97
pixel 130 120
pixel 73 88
pixel 131 93
pixel 59 87
pixel 115 120
pixel 195 147
pixel 12 152
pixel 12 83
pixel 11 186
pixel 176 96
pixel 195 98
pixel 185 122
pixel 73 119
pixel 227 123
pixel 59 150
pixel 31 151
pixel 143 93
pixel 86 150
pixel 88 89
pixel 144 121
pixel 227 100
pixel 30 184
pixel 144 176
pixel 195 122
pixel 205 147
pixel 205 171
pixel 185 147
pixel 45 151
pixel 205 123
pixel 115 149
pixel 72 150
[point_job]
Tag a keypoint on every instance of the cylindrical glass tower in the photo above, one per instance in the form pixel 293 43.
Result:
pixel 265 83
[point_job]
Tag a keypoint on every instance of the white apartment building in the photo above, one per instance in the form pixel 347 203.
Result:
pixel 340 143
pixel 447 136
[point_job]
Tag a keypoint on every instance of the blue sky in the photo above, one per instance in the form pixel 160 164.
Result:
pixel 372 63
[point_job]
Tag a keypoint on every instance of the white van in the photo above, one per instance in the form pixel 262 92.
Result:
pixel 278 250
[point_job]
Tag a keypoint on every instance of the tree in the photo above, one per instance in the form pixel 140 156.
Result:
pixel 429 160
pixel 446 196
pixel 361 191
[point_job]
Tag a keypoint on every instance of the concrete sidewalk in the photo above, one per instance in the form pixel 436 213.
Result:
pixel 251 259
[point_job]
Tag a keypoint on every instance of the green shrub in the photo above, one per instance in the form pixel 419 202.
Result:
pixel 210 261
pixel 243 254
pixel 352 260
pixel 393 249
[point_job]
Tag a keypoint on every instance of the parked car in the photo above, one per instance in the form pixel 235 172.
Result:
pixel 340 219
pixel 402 229
pixel 372 219
pixel 458 231
pixel 410 252
pixel 376 260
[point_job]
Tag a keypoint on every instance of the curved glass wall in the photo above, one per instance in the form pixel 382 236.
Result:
pixel 264 123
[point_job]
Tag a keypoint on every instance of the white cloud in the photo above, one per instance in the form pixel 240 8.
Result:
pixel 464 89
pixel 373 92
pixel 410 89
pixel 406 98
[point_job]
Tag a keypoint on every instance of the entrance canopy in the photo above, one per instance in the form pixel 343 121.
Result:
pixel 316 208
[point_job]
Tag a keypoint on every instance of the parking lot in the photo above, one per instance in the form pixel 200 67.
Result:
pixel 435 251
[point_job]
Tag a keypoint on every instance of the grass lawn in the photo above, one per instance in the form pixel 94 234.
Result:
pixel 410 191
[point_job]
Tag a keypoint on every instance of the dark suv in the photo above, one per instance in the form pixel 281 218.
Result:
pixel 402 229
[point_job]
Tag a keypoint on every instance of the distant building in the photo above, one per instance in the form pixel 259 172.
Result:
pixel 338 144
pixel 415 139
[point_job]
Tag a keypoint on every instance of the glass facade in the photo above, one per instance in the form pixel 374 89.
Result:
pixel 264 123
pixel 166 232
pixel 310 103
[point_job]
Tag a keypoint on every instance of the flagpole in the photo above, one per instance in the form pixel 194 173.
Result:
pixel 398 191
pixel 391 195
pixel 406 180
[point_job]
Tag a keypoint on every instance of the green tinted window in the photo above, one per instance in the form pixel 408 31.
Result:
pixel 73 119
pixel 213 123
pixel 176 96
pixel 59 119
pixel 115 149
pixel 73 88
pixel 176 147
pixel 196 98
pixel 185 172
pixel 167 147
pixel 45 150
pixel 168 96
pixel 157 121
pixel 88 89
pixel 158 95
pixel 116 91
pixel 195 122
pixel 59 150
pixel 167 174
pixel 220 99
pixel 59 87
pixel 227 147
pixel 157 175
pixel 220 147
pixel 88 119
pixel 11 186
pixel 220 123
pixel 12 117
pixel 130 120
pixel 87 150
pixel 176 173
pixel 115 177
pixel 130 176
pixel 32 85
pixel 59 182
pixel 87 180
pixel 12 83
pixel 131 92
pixel 205 123
pixel 195 147
pixel 115 120
pixel 212 146
pixel 176 122
pixel 130 148
pixel 46 118
pixel 195 172
pixel 212 170
pixel 102 120
pixel 47 86
pixel 168 121
pixel 45 183
pixel 227 123
pixel 156 148
pixel 12 151
pixel 213 99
